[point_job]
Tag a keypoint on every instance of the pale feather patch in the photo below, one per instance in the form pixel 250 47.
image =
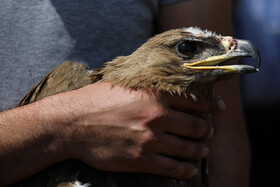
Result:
pixel 79 184
pixel 90 71
pixel 196 31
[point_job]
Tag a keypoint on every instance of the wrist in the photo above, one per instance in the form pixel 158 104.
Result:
pixel 65 114
pixel 56 116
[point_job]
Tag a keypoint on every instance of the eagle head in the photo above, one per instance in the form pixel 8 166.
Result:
pixel 185 61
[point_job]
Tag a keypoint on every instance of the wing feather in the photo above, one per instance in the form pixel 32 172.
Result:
pixel 66 77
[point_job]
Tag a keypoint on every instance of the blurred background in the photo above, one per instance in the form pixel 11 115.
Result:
pixel 259 22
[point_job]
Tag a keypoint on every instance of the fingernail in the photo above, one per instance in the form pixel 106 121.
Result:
pixel 221 105
pixel 194 172
pixel 204 151
pixel 211 133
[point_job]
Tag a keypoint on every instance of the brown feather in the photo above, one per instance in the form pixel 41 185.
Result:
pixel 66 77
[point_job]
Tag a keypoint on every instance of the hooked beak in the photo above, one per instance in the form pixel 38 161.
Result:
pixel 235 49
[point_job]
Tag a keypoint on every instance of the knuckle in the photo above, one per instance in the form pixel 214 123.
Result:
pixel 183 151
pixel 137 156
pixel 144 143
pixel 199 128
pixel 179 171
pixel 208 105
pixel 148 138
pixel 176 171
pixel 196 127
pixel 155 113
pixel 191 150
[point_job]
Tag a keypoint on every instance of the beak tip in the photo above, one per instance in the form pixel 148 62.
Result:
pixel 248 49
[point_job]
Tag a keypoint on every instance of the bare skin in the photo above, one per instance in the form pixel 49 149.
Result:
pixel 109 128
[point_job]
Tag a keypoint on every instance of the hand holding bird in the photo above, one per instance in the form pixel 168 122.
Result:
pixel 186 62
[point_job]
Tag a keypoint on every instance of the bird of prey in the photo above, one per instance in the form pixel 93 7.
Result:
pixel 186 61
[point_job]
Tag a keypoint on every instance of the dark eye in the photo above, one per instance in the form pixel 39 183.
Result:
pixel 187 49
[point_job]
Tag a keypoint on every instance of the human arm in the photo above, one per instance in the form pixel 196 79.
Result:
pixel 109 128
pixel 229 150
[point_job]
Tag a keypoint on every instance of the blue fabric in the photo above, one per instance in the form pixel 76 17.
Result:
pixel 259 21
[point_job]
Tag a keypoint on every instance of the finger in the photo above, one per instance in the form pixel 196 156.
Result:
pixel 185 124
pixel 221 104
pixel 165 166
pixel 171 145
pixel 202 104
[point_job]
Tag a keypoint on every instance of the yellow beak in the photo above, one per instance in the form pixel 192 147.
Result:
pixel 234 49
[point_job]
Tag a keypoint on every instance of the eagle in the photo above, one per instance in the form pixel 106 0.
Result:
pixel 185 61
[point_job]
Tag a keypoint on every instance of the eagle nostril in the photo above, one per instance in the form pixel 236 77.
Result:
pixel 229 43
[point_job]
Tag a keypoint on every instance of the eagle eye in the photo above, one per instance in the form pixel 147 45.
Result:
pixel 187 49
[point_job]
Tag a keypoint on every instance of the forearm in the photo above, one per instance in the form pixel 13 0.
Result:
pixel 29 141
pixel 109 128
pixel 230 153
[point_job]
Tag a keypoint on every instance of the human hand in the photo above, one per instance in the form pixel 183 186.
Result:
pixel 117 129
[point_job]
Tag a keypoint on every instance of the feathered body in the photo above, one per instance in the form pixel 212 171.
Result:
pixel 181 61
